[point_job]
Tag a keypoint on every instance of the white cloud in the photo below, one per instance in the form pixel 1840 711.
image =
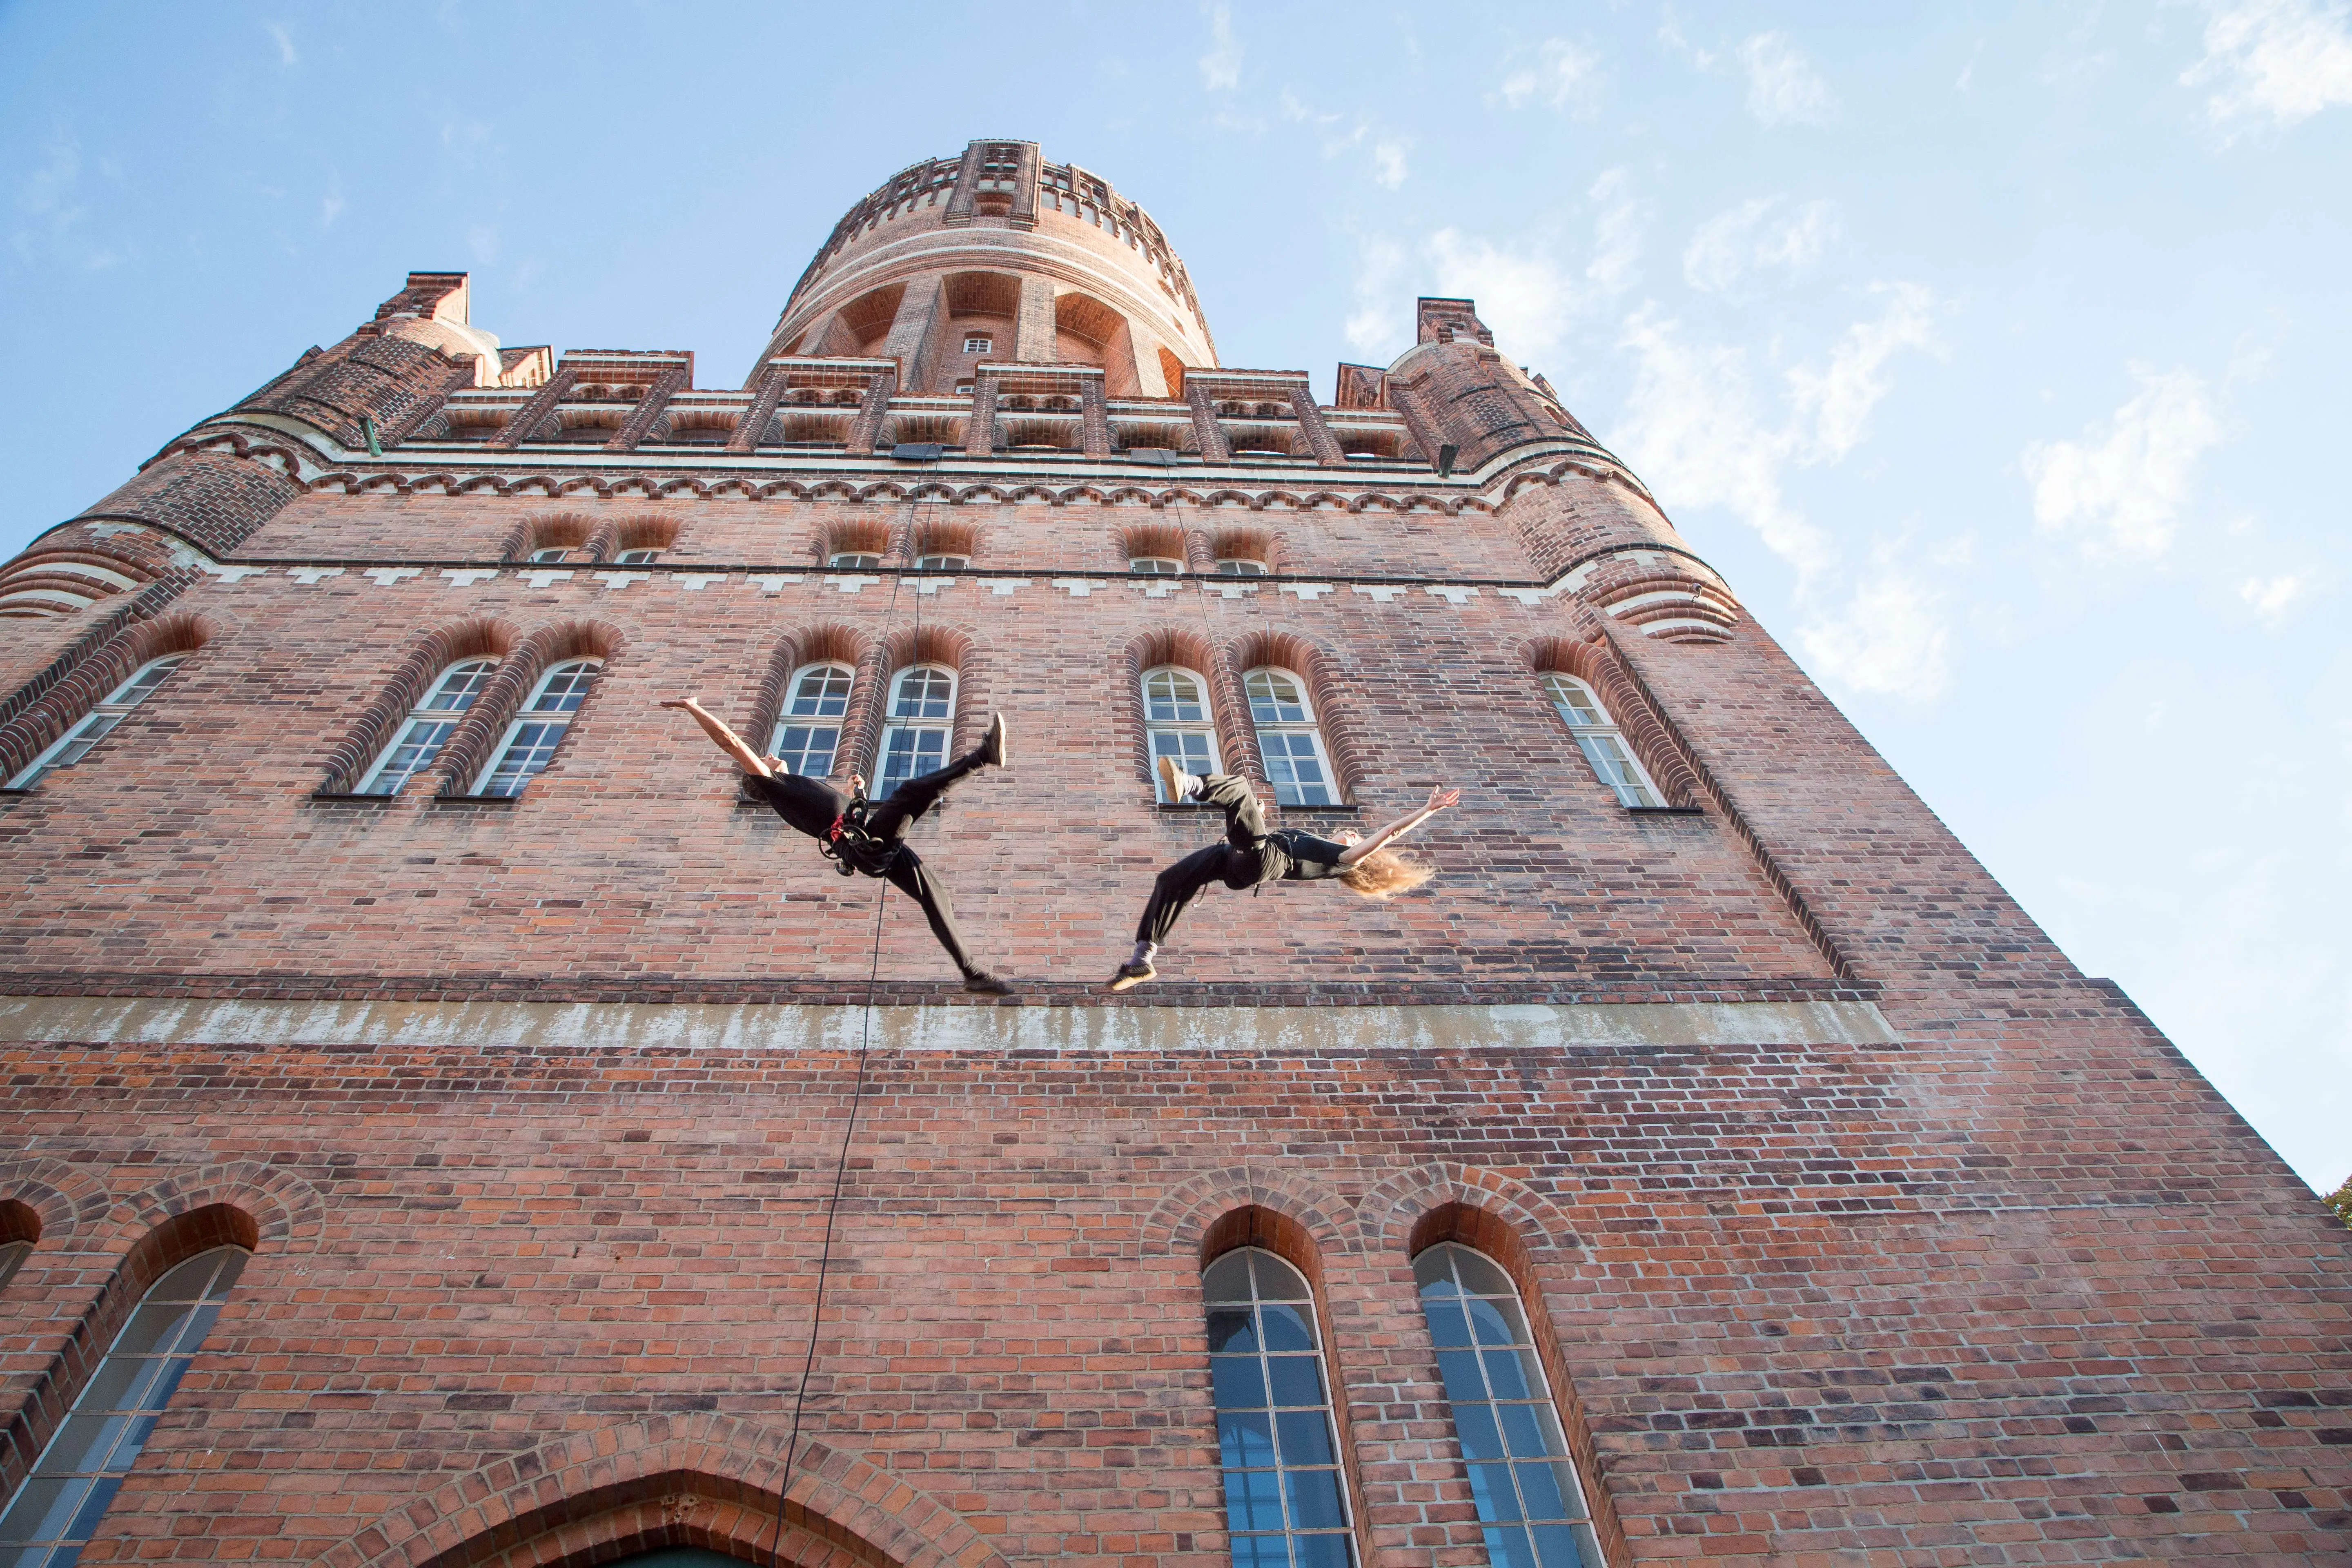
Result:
pixel 1221 67
pixel 331 208
pixel 1388 161
pixel 1783 88
pixel 2271 597
pixel 1890 640
pixel 1691 424
pixel 1738 240
pixel 2123 485
pixel 1524 295
pixel 285 41
pixel 2277 60
pixel 1837 399
pixel 1563 75
pixel 1375 328
pixel 1616 232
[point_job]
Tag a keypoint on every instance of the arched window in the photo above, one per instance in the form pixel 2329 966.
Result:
pixel 922 709
pixel 428 727
pixel 853 561
pixel 1286 1496
pixel 808 731
pixel 1155 566
pixel 942 563
pixel 1176 720
pixel 1239 566
pixel 1597 737
pixel 1287 738
pixel 1521 1476
pixel 61 1502
pixel 635 557
pixel 551 553
pixel 75 744
pixel 539 729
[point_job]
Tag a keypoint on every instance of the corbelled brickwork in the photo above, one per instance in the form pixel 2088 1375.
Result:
pixel 1855 1224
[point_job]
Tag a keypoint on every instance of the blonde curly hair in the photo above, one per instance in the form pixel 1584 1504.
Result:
pixel 1384 873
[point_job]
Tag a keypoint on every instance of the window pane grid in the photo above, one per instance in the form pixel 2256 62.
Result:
pixel 530 740
pixel 427 727
pixel 1521 1476
pixel 1597 736
pixel 1288 740
pixel 1286 1500
pixel 75 742
pixel 922 702
pixel 1176 720
pixel 61 1502
pixel 819 692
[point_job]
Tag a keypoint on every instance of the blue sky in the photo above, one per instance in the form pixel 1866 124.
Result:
pixel 2000 360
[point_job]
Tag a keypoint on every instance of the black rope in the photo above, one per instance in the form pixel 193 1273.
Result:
pixel 849 1132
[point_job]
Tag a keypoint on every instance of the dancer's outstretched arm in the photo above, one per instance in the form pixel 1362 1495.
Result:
pixel 1439 798
pixel 733 744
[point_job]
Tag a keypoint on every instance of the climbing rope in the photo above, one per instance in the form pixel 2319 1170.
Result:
pixel 856 1092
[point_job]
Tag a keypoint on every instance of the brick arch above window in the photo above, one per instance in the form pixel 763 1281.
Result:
pixel 25 737
pixel 426 656
pixel 853 536
pixel 644 531
pixel 1161 541
pixel 1260 544
pixel 1343 736
pixel 945 644
pixel 795 650
pixel 568 530
pixel 547 645
pixel 1597 665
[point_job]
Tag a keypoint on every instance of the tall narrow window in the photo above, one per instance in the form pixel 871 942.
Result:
pixel 808 731
pixel 428 727
pixel 1176 720
pixel 61 1503
pixel 1520 1473
pixel 539 729
pixel 922 710
pixel 1288 738
pixel 75 744
pixel 1597 737
pixel 1285 1498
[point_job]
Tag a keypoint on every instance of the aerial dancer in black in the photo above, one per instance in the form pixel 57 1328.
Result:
pixel 868 835
pixel 1251 856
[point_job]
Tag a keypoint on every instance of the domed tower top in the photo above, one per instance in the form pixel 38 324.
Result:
pixel 1000 256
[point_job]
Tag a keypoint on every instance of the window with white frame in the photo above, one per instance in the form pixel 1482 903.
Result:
pixel 808 731
pixel 853 561
pixel 920 715
pixel 1155 565
pixel 428 727
pixel 1176 721
pixel 1239 566
pixel 979 343
pixel 551 553
pixel 1530 1504
pixel 635 557
pixel 1597 737
pixel 1288 738
pixel 942 563
pixel 530 740
pixel 62 1500
pixel 1286 1494
pixel 95 725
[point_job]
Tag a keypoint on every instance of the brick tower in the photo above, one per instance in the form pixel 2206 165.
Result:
pixel 439 1097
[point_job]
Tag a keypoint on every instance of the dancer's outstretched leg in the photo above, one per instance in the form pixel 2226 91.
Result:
pixel 911 876
pixel 890 818
pixel 1179 886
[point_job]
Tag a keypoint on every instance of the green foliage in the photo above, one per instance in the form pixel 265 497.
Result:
pixel 2340 1200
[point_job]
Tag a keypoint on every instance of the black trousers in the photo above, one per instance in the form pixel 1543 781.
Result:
pixel 813 806
pixel 1245 859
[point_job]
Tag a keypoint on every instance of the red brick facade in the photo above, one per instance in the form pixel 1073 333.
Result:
pixel 1855 1224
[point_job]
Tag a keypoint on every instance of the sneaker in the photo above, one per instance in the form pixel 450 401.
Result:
pixel 1131 974
pixel 997 746
pixel 1173 778
pixel 981 982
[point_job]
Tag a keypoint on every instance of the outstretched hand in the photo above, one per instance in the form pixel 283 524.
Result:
pixel 686 702
pixel 1439 798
